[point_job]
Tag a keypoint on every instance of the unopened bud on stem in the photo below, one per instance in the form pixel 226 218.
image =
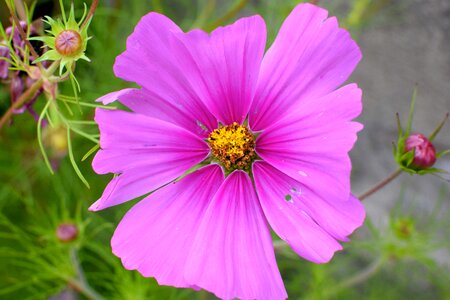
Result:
pixel 68 43
pixel 424 151
pixel 66 232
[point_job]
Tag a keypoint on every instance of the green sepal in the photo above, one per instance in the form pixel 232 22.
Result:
pixel 442 153
pixel 411 112
pixel 47 40
pixel 433 170
pixel 84 57
pixel 438 128
pixel 49 55
pixel 71 23
pixel 407 158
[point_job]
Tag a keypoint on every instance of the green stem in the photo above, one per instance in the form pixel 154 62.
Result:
pixel 380 185
pixel 233 11
pixel 90 13
pixel 358 278
pixel 23 35
pixel 84 289
pixel 205 13
pixel 51 69
pixel 438 128
pixel 20 9
pixel 21 101
pixel 80 284
pixel 157 6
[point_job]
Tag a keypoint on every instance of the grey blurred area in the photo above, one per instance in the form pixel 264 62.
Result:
pixel 404 43
pixel 408 42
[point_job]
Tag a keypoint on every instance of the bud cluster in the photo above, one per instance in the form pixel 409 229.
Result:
pixel 19 79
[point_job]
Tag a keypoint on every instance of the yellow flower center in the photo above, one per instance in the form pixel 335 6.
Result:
pixel 233 146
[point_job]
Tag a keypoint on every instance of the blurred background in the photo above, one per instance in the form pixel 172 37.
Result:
pixel 51 247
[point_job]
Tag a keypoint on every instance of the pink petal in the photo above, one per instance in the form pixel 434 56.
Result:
pixel 147 152
pixel 302 218
pixel 224 66
pixel 151 61
pixel 232 253
pixel 147 103
pixel 310 57
pixel 113 96
pixel 311 144
pixel 155 236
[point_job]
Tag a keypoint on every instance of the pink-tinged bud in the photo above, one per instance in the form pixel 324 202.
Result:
pixel 16 38
pixel 68 43
pixel 16 88
pixel 424 151
pixel 66 232
pixel 4 65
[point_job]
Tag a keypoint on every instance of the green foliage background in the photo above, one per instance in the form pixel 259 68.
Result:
pixel 394 261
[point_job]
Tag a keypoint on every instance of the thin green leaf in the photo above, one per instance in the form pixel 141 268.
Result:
pixel 2 32
pixel 29 11
pixel 443 153
pixel 438 128
pixel 87 104
pixel 7 60
pixel 50 121
pixel 441 177
pixel 84 15
pixel 68 108
pixel 399 125
pixel 82 122
pixel 411 111
pixel 75 85
pixel 439 170
pixel 39 136
pixel 72 160
pixel 63 13
pixel 90 137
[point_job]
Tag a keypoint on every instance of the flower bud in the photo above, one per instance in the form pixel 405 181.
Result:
pixel 424 151
pixel 16 88
pixel 56 139
pixel 68 43
pixel 404 228
pixel 66 232
pixel 4 65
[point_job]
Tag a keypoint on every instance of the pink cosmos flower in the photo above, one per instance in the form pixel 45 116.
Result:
pixel 270 131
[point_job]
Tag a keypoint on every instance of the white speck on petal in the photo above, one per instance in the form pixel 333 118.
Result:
pixel 302 173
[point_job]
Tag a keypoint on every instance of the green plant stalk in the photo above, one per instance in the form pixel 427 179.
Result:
pixel 358 278
pixel 157 6
pixel 21 101
pixel 23 35
pixel 90 14
pixel 28 94
pixel 39 136
pixel 20 9
pixel 80 284
pixel 72 160
pixel 84 289
pixel 233 11
pixel 205 13
pixel 380 185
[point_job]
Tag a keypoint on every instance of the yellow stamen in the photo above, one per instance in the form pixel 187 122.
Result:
pixel 233 146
